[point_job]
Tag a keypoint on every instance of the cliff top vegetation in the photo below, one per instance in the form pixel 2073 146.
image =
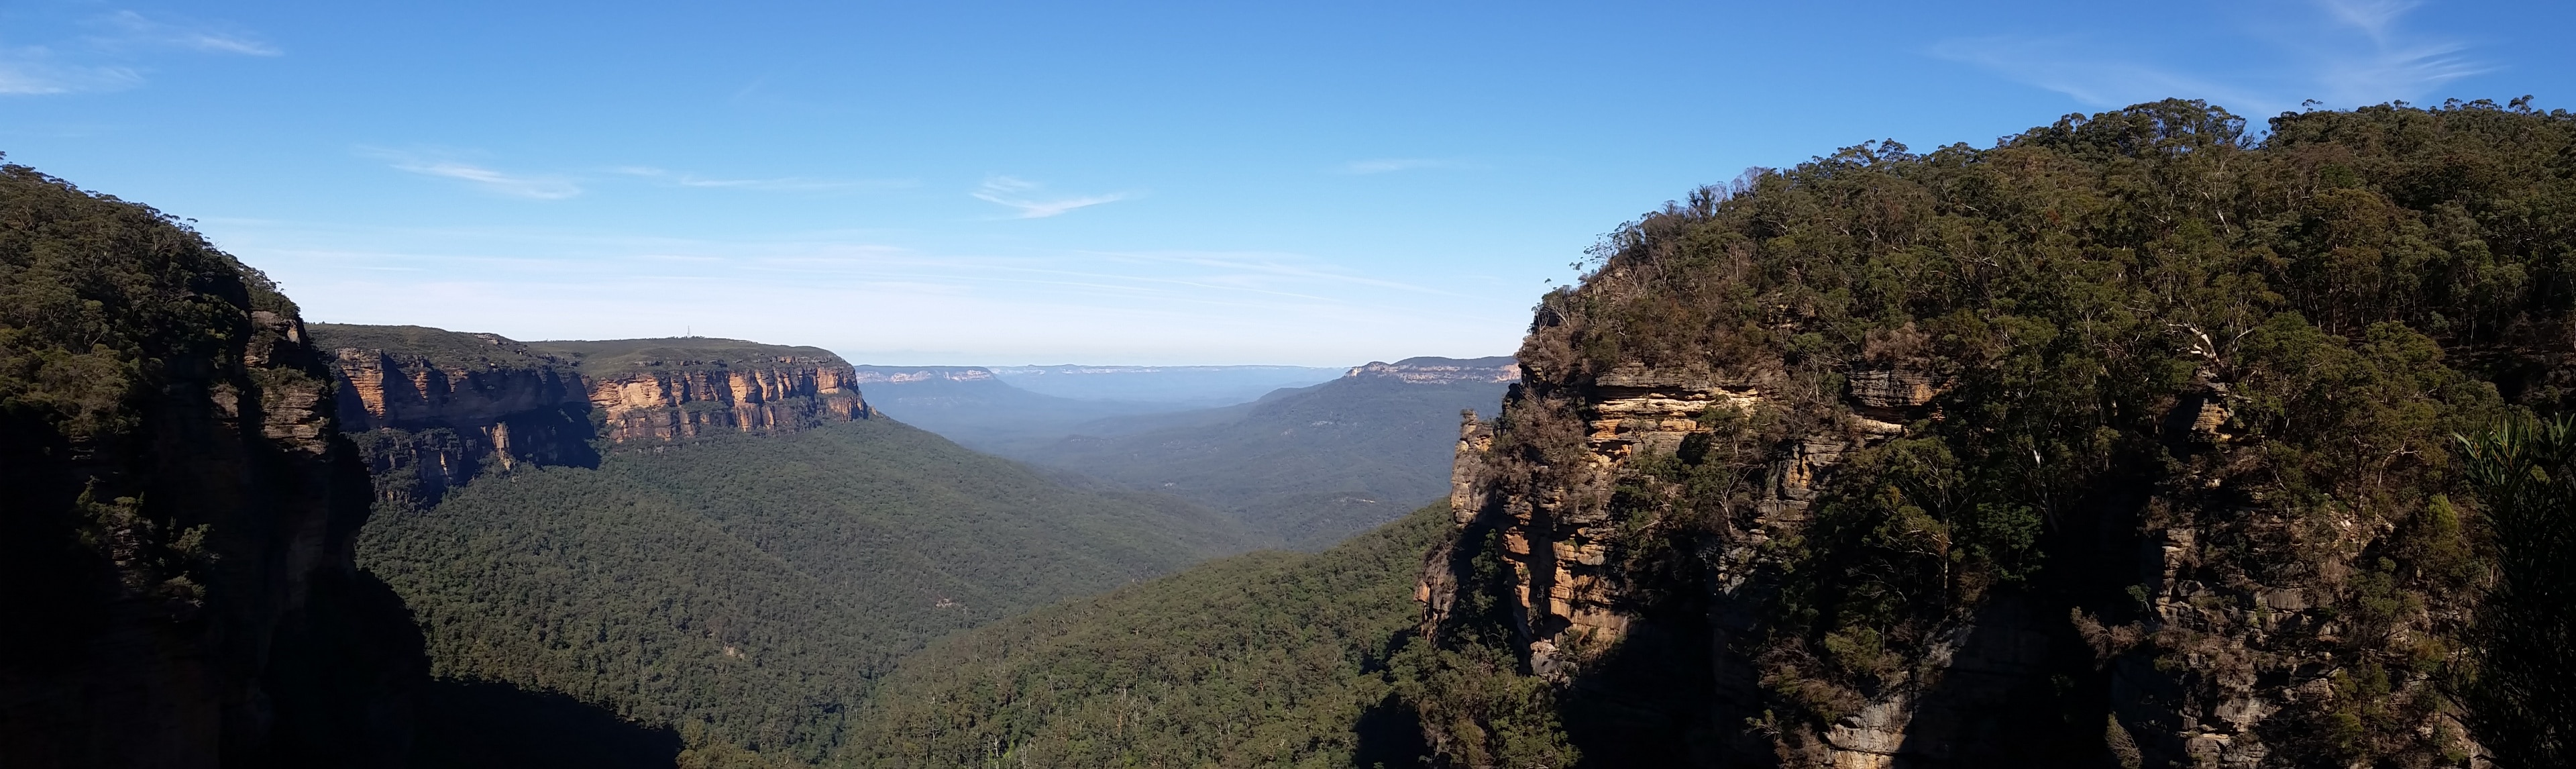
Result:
pixel 441 347
pixel 2147 330
pixel 611 357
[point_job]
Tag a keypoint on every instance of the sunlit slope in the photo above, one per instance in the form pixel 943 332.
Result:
pixel 1269 659
pixel 746 588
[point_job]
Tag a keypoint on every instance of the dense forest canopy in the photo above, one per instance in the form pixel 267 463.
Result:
pixel 748 588
pixel 1269 659
pixel 2146 328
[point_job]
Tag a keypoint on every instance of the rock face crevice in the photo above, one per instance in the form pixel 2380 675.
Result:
pixel 433 409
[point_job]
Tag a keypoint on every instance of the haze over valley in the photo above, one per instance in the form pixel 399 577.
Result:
pixel 1514 386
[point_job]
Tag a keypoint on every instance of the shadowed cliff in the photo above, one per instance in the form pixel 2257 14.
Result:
pixel 176 540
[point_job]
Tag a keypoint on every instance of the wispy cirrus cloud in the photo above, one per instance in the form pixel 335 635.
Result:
pixel 131 30
pixel 112 57
pixel 35 71
pixel 2343 52
pixel 530 186
pixel 980 307
pixel 1015 193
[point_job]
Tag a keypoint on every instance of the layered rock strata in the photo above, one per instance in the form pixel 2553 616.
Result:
pixel 1573 601
pixel 1897 460
pixel 433 409
pixel 782 394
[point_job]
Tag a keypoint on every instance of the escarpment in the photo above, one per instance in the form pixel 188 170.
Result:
pixel 432 409
pixel 783 393
pixel 176 551
pixel 2016 456
pixel 1432 370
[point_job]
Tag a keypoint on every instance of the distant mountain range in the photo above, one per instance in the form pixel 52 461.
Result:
pixel 1180 386
pixel 980 410
pixel 1308 466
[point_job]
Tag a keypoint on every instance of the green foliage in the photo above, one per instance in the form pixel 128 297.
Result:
pixel 696 353
pixel 441 347
pixel 747 588
pixel 2336 297
pixel 2524 693
pixel 1470 691
pixel 99 297
pixel 1269 659
pixel 172 514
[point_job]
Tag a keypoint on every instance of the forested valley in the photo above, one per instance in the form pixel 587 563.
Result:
pixel 2155 437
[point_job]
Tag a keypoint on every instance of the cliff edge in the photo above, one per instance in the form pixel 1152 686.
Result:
pixel 2126 442
pixel 176 549
pixel 432 409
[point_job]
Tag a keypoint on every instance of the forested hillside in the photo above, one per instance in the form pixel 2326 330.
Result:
pixel 747 588
pixel 176 509
pixel 1270 659
pixel 1307 466
pixel 2129 441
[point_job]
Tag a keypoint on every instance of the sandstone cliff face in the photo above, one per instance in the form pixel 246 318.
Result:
pixel 784 394
pixel 432 409
pixel 1892 460
pixel 176 557
pixel 1576 598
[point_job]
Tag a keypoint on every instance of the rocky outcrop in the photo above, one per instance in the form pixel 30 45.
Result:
pixel 176 537
pixel 433 409
pixel 1895 460
pixel 1432 370
pixel 781 394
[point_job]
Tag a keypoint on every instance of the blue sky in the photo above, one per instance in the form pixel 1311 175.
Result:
pixel 1318 183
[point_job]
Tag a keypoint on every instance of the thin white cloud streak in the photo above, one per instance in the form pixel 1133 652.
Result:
pixel 533 187
pixel 135 30
pixel 2397 65
pixel 1006 191
pixel 30 72
pixel 1151 307
pixel 104 62
pixel 2353 52
pixel 2068 66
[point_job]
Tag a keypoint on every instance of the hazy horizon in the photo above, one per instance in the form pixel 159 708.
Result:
pixel 1141 183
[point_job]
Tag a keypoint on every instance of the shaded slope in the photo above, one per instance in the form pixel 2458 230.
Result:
pixel 176 509
pixel 745 588
pixel 1269 659
pixel 1309 466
